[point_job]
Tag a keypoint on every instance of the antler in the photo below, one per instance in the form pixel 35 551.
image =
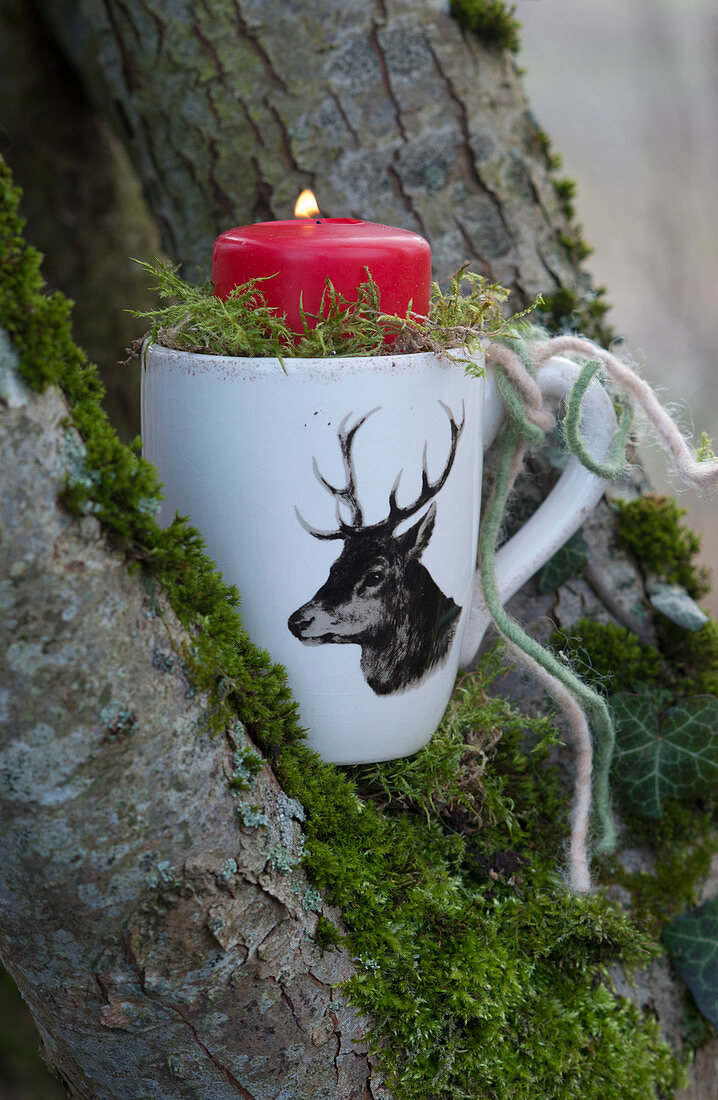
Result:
pixel 349 493
pixel 429 489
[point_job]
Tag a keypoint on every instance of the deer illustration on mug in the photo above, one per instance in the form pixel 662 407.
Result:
pixel 378 594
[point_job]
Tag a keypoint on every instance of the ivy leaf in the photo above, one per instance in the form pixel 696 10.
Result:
pixel 675 603
pixel 674 756
pixel 692 942
pixel 565 563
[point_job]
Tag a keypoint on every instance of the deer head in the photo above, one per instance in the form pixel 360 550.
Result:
pixel 378 594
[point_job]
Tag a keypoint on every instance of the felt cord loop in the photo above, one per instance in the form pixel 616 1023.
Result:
pixel 615 462
pixel 517 360
pixel 690 467
pixel 516 410
pixel 510 448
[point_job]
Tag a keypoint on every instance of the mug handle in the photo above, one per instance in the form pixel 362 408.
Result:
pixel 569 503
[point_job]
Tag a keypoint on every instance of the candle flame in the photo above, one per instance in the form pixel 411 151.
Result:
pixel 306 206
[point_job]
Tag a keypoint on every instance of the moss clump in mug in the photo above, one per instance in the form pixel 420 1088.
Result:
pixel 243 325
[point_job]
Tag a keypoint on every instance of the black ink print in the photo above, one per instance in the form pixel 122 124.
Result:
pixel 378 595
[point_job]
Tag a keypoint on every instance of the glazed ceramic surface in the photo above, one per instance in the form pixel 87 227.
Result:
pixel 342 497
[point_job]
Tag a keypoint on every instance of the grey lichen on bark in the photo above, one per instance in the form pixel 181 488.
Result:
pixel 228 108
pixel 163 940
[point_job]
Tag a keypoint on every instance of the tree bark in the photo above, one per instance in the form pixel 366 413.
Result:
pixel 162 950
pixel 229 108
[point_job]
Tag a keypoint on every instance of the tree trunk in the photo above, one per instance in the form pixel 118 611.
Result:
pixel 161 949
pixel 229 108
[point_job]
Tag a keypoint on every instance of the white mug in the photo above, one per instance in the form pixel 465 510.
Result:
pixel 341 496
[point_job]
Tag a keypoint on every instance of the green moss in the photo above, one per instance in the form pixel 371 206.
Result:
pixel 683 842
pixel 566 309
pixel 326 934
pixel 246 765
pixel 240 678
pixel 492 21
pixel 683 664
pixel 565 193
pixel 578 250
pixel 484 976
pixel 542 141
pixel 693 656
pixel 704 451
pixel 610 656
pixel 482 972
pixel 243 325
pixel 515 803
pixel 563 310
pixel 650 527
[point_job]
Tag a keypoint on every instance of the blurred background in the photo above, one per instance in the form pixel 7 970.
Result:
pixel 628 91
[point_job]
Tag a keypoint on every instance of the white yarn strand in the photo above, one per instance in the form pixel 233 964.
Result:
pixel 578 862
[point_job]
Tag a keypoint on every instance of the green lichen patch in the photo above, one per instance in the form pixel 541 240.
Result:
pixel 492 21
pixel 676 604
pixel 246 764
pixel 251 816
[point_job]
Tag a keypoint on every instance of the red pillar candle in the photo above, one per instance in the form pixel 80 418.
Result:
pixel 297 257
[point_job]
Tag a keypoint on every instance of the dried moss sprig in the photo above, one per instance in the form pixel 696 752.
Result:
pixel 244 325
